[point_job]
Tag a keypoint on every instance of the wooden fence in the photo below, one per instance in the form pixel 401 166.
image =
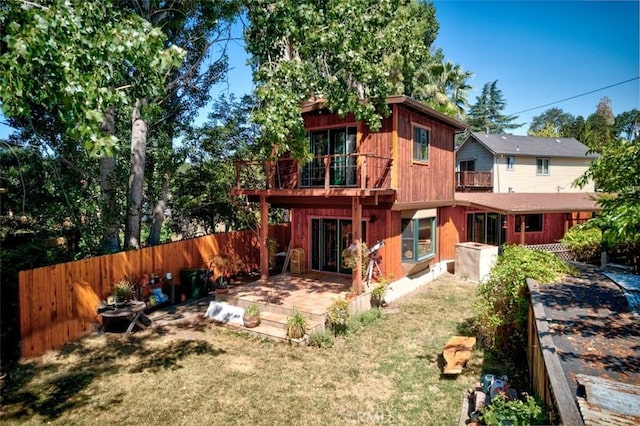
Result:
pixel 546 375
pixel 58 302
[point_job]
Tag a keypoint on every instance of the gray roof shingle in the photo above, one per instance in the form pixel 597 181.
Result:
pixel 532 145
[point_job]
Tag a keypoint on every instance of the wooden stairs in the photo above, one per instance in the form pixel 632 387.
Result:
pixel 273 319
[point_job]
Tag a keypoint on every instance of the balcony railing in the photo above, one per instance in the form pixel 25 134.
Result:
pixel 474 180
pixel 361 171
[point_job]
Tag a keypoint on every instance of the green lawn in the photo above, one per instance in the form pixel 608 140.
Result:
pixel 203 374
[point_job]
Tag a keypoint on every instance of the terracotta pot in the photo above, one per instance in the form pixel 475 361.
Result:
pixel 251 321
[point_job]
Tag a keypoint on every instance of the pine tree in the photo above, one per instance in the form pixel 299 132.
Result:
pixel 486 113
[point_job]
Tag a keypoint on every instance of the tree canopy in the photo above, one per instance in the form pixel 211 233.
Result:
pixel 352 54
pixel 554 122
pixel 486 114
pixel 77 60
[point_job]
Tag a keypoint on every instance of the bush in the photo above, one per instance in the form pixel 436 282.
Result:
pixel 338 316
pixel 584 240
pixel 502 411
pixel 501 307
pixel 321 340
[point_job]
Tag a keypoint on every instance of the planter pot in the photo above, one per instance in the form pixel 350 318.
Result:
pixel 295 333
pixel 251 321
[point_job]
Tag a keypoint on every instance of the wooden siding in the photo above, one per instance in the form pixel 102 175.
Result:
pixel 452 223
pixel 385 226
pixel 453 220
pixel 58 302
pixel 432 180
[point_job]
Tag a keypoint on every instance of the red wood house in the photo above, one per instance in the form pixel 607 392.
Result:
pixel 364 186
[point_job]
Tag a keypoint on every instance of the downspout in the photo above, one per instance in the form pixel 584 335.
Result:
pixel 496 174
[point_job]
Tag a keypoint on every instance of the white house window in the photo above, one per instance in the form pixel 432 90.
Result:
pixel 511 163
pixel 542 166
pixel 418 239
pixel 420 144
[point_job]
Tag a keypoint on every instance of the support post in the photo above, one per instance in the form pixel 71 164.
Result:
pixel 356 219
pixel 523 226
pixel 264 234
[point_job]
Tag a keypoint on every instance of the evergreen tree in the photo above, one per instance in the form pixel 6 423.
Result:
pixel 486 114
pixel 554 122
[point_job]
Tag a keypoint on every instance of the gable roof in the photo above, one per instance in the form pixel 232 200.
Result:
pixel 515 145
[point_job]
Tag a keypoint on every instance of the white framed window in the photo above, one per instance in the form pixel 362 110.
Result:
pixel 420 143
pixel 418 239
pixel 511 163
pixel 542 166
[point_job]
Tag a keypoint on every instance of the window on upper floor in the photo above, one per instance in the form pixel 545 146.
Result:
pixel 339 144
pixel 420 143
pixel 542 166
pixel 418 239
pixel 511 163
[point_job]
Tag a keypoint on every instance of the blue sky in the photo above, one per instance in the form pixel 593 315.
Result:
pixel 539 51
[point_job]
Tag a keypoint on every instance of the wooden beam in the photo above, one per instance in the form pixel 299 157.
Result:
pixel 523 226
pixel 264 234
pixel 356 220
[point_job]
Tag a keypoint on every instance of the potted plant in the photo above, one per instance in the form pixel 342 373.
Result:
pixel 296 325
pixel 350 257
pixel 251 316
pixel 223 267
pixel 377 295
pixel 122 292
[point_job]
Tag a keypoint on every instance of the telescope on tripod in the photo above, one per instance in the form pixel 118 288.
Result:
pixel 373 261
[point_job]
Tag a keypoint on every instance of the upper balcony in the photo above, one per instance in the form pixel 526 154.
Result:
pixel 474 181
pixel 336 178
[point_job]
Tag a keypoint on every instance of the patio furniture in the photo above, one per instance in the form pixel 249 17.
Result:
pixel 133 311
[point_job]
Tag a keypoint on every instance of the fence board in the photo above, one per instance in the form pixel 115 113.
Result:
pixel 58 303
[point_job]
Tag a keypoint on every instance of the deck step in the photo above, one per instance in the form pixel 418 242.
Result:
pixel 243 302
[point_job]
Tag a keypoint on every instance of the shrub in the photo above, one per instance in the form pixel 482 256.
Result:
pixel 584 240
pixel 322 339
pixel 502 411
pixel 501 307
pixel 337 316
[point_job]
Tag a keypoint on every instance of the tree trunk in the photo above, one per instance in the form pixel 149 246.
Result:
pixel 110 239
pixel 158 213
pixel 136 177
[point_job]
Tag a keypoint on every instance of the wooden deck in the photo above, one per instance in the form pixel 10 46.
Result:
pixel 311 293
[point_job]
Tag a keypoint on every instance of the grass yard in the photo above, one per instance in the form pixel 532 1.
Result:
pixel 203 374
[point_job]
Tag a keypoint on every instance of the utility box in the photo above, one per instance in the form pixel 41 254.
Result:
pixel 474 260
pixel 297 261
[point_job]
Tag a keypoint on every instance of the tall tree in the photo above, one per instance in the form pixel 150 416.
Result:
pixel 74 63
pixel 616 172
pixel 303 50
pixel 486 114
pixel 627 124
pixel 554 122
pixel 444 86
pixel 604 110
pixel 202 29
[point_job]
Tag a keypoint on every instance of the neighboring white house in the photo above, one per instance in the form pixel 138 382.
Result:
pixel 511 163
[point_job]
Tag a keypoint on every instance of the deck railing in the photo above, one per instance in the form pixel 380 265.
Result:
pixel 364 171
pixel 467 179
